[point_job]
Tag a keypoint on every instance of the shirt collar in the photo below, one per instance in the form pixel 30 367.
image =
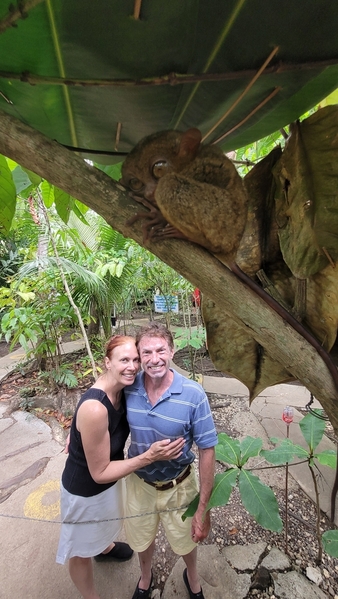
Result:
pixel 175 387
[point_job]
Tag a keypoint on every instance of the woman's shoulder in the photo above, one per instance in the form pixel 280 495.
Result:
pixel 93 393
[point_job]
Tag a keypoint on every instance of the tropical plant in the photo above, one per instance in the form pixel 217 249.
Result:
pixel 193 339
pixel 259 499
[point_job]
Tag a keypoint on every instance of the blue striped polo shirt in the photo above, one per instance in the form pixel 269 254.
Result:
pixel 182 411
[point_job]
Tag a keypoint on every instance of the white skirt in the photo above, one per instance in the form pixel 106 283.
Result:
pixel 105 514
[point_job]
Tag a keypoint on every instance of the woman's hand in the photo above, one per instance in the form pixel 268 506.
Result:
pixel 166 450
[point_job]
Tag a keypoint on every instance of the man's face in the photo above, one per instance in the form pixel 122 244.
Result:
pixel 155 356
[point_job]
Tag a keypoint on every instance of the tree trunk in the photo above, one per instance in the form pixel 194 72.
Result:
pixel 109 199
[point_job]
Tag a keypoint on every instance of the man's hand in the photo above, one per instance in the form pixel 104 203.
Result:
pixel 200 526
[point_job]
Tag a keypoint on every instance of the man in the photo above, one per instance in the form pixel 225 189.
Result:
pixel 162 404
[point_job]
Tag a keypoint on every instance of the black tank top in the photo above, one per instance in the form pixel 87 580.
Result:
pixel 76 477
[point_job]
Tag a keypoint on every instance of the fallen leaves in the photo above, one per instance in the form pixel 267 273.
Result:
pixel 46 414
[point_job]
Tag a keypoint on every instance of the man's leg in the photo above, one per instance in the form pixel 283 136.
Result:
pixel 81 573
pixel 145 558
pixel 191 563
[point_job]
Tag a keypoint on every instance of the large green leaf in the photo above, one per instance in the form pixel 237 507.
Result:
pixel 330 542
pixel 64 204
pixel 224 482
pixel 228 449
pixel 313 429
pixel 260 501
pixel 250 447
pixel 328 457
pixel 284 453
pixel 47 192
pixel 94 76
pixel 21 179
pixel 7 197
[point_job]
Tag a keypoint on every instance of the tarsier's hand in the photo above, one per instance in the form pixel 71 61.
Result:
pixel 166 450
pixel 159 232
pixel 155 220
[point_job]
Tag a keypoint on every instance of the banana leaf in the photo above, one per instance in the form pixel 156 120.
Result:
pixel 99 76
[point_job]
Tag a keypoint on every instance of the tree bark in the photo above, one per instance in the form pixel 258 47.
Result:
pixel 71 173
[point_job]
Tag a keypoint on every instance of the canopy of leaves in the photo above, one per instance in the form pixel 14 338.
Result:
pixel 100 76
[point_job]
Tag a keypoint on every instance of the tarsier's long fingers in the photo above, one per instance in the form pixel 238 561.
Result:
pixel 167 232
pixel 143 201
pixel 157 223
pixel 137 216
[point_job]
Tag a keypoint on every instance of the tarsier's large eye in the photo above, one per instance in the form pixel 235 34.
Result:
pixel 135 184
pixel 160 169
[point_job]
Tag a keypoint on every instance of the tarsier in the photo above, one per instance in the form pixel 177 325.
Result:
pixel 194 192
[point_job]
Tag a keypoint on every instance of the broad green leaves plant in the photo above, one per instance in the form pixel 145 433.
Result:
pixel 257 498
pixel 183 339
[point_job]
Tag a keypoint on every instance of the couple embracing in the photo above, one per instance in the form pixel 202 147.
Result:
pixel 166 413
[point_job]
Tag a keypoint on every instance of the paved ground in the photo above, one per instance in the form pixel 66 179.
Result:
pixel 31 462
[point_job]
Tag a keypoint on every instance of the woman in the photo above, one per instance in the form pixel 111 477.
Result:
pixel 91 488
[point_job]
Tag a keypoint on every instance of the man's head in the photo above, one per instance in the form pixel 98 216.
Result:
pixel 156 348
pixel 155 329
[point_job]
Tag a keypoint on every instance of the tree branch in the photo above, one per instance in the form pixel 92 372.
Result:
pixel 109 199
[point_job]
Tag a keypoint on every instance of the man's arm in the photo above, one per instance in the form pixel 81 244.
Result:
pixel 200 525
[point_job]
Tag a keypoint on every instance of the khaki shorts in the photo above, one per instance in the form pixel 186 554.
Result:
pixel 143 499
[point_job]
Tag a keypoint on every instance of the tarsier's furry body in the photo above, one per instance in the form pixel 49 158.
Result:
pixel 190 172
pixel 194 192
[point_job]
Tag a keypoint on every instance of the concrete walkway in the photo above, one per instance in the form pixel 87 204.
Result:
pixel 31 462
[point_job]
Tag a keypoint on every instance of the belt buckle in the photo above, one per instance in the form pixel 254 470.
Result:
pixel 170 484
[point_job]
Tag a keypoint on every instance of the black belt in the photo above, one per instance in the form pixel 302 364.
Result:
pixel 170 483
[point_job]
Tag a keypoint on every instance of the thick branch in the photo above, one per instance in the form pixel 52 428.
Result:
pixel 95 189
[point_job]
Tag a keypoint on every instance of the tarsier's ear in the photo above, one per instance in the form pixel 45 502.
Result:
pixel 190 143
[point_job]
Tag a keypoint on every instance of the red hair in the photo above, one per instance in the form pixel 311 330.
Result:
pixel 115 341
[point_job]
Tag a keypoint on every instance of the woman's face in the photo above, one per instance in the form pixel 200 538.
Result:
pixel 124 363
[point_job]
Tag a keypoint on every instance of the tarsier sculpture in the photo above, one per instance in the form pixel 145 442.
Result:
pixel 194 192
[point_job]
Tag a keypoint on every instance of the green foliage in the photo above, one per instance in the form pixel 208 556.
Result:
pixel 228 450
pixel 112 170
pixel 7 197
pixel 284 453
pixel 312 429
pixel 62 376
pixel 26 404
pixel 37 319
pixel 194 340
pixel 185 338
pixel 330 542
pixel 257 498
